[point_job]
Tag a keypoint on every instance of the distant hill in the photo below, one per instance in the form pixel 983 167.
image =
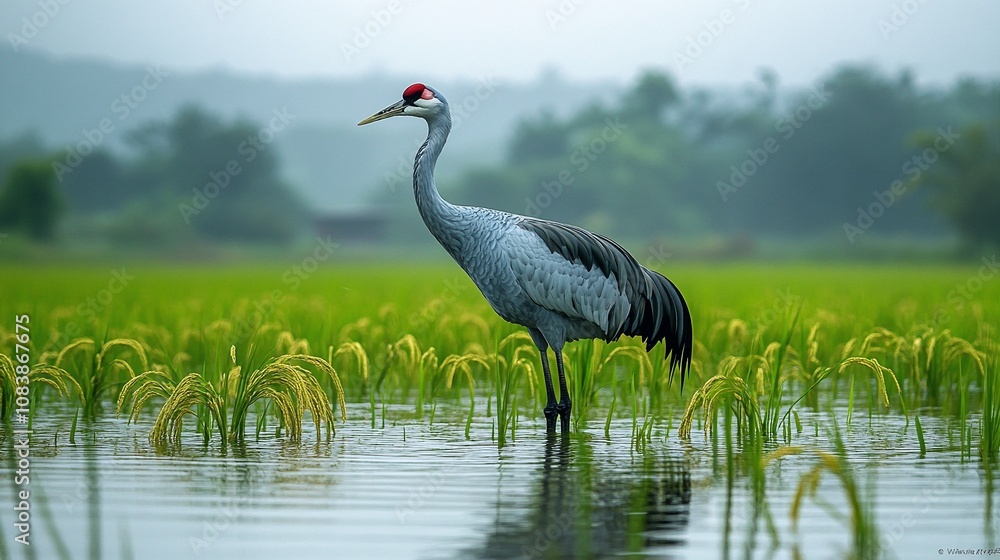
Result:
pixel 333 164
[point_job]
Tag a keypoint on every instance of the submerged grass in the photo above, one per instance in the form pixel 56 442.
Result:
pixel 862 337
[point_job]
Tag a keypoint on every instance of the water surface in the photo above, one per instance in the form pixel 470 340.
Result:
pixel 416 490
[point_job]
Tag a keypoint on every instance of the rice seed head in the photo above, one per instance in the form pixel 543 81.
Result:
pixel 877 369
pixel 409 348
pixel 142 388
pixel 362 329
pixel 326 368
pixel 514 338
pixel 232 382
pixel 462 362
pixel 288 344
pixel 636 353
pixel 957 347
pixel 77 345
pixel 221 328
pixel 59 379
pixel 737 330
pixel 355 349
pixel 477 323
pixel 192 390
pixel 129 343
pixel 429 360
pixel 8 374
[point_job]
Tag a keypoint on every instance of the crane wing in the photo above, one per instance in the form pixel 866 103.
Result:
pixel 587 276
pixel 575 272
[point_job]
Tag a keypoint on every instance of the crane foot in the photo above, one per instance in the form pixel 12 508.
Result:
pixel 550 417
pixel 564 408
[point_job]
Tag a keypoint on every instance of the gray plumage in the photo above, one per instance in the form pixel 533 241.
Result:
pixel 562 282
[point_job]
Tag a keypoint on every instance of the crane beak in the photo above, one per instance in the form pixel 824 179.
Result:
pixel 391 111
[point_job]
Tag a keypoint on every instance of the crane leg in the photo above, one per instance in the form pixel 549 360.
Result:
pixel 550 409
pixel 565 405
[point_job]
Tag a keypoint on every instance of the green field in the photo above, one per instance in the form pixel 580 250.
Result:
pixel 401 334
pixel 220 357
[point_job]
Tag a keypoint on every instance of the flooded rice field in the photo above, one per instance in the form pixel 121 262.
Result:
pixel 829 412
pixel 413 490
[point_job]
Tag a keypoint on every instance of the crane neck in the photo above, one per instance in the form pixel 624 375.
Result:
pixel 436 212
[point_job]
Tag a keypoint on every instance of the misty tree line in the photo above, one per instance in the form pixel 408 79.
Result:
pixel 858 154
pixel 192 178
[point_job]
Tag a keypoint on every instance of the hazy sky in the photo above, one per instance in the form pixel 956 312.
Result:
pixel 723 41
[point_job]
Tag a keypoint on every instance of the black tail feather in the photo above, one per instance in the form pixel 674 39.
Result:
pixel 665 316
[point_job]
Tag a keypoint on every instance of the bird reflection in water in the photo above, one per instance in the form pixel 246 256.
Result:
pixel 587 509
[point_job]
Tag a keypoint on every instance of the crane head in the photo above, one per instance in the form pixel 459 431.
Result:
pixel 418 101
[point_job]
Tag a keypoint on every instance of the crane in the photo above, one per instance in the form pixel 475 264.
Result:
pixel 561 282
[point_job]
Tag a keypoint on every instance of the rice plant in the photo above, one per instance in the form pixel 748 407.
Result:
pixel 727 388
pixel 928 357
pixel 507 375
pixel 989 446
pixel 355 350
pixel 636 364
pixel 292 388
pixel 427 369
pixel 774 356
pixel 463 363
pixel 192 391
pixel 285 381
pixel 95 367
pixel 38 376
pixel 582 366
pixel 403 347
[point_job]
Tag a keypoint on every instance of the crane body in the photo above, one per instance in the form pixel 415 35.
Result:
pixel 561 282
